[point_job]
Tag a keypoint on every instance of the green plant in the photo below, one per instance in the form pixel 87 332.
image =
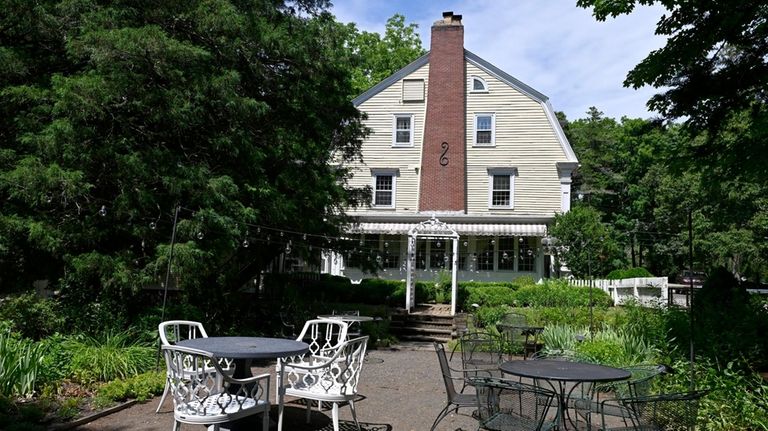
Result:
pixel 109 356
pixel 525 280
pixel 562 338
pixel 19 365
pixel 737 398
pixel 616 347
pixel 558 293
pixel 141 387
pixel 490 296
pixel 69 408
pixel 487 317
pixel 618 274
pixel 32 316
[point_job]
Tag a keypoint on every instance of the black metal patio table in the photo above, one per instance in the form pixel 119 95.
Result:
pixel 559 373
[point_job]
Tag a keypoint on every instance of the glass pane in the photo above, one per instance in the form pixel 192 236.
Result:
pixel 438 252
pixel 403 137
pixel 383 182
pixel 501 182
pixel 527 254
pixel 485 249
pixel 507 253
pixel 421 254
pixel 500 198
pixel 477 84
pixel 383 198
pixel 484 123
pixel 483 137
pixel 403 123
pixel 390 247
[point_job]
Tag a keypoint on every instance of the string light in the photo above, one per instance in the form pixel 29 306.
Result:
pixel 103 211
pixel 200 235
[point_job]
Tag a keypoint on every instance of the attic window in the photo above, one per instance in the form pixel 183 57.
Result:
pixel 478 85
pixel 413 90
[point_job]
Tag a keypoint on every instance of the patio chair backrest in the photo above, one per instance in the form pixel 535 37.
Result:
pixel 324 336
pixel 173 331
pixel 195 380
pixel 676 411
pixel 336 376
pixel 507 405
pixel 514 319
pixel 445 370
pixel 481 355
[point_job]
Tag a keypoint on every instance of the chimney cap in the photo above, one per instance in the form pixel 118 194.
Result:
pixel 449 19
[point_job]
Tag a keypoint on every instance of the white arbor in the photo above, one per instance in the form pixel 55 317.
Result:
pixel 432 229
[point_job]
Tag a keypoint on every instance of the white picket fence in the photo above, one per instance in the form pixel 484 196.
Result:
pixel 646 290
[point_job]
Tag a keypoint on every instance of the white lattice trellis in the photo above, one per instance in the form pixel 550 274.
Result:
pixel 432 228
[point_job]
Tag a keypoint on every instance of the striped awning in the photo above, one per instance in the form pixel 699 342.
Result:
pixel 473 229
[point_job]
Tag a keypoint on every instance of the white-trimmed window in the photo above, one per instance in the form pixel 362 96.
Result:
pixel 402 130
pixel 384 187
pixel 477 85
pixel 485 130
pixel 501 187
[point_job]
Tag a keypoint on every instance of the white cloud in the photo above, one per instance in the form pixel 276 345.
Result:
pixel 551 45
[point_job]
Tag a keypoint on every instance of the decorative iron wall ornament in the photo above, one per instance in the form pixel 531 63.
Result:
pixel 443 158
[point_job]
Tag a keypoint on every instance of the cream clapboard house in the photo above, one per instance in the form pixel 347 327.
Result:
pixel 455 138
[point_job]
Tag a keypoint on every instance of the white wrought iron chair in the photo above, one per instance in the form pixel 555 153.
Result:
pixel 203 394
pixel 173 331
pixel 324 337
pixel 333 379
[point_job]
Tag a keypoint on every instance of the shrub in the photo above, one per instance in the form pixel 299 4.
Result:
pixel 525 280
pixel 488 316
pixel 32 316
pixel 557 293
pixel 141 387
pixel 619 274
pixel 489 296
pixel 737 398
pixel 56 361
pixel 576 316
pixel 616 347
pixel 108 357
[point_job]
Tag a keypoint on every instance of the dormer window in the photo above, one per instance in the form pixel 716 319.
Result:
pixel 478 85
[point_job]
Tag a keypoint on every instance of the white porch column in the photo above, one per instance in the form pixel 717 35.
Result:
pixel 454 275
pixel 409 290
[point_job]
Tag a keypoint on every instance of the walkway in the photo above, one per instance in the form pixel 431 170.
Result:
pixel 402 390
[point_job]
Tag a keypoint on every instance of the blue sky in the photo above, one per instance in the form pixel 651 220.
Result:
pixel 551 45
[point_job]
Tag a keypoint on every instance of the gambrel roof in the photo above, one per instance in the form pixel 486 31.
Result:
pixel 493 71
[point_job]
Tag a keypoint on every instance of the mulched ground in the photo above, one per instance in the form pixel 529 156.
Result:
pixel 401 390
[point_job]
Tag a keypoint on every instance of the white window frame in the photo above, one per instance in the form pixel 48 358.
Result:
pixel 493 129
pixel 375 173
pixel 472 84
pixel 512 173
pixel 394 130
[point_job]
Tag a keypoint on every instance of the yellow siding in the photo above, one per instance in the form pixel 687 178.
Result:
pixel 378 151
pixel 524 139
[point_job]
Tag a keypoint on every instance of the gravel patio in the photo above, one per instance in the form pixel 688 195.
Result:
pixel 401 390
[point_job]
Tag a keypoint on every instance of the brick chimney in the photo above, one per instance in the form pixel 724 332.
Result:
pixel 443 163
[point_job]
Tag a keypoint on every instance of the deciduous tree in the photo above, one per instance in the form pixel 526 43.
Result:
pixel 113 114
